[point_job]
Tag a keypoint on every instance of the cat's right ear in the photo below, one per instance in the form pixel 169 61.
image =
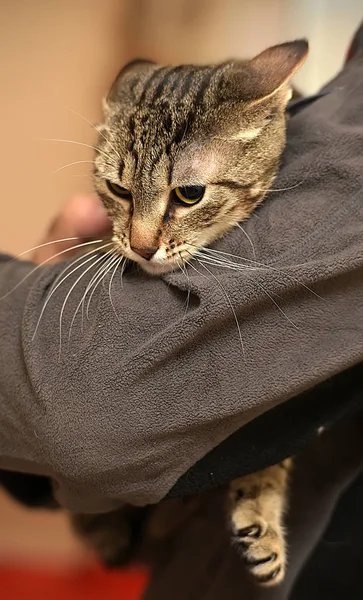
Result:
pixel 265 75
pixel 126 79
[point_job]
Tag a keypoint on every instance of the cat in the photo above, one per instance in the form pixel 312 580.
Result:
pixel 184 154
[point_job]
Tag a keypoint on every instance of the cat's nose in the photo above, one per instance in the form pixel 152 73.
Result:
pixel 147 252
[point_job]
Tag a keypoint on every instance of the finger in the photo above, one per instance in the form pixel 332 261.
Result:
pixel 81 217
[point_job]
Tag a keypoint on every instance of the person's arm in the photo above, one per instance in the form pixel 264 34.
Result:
pixel 22 424
pixel 140 389
pixel 19 447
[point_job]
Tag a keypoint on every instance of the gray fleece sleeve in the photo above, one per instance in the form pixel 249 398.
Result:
pixel 32 438
pixel 22 416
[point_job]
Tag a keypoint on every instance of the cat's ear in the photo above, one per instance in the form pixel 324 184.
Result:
pixel 126 78
pixel 267 73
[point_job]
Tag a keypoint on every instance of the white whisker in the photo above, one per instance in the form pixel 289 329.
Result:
pixel 249 239
pixel 110 286
pixel 186 275
pixel 67 297
pixel 93 284
pixel 122 272
pixel 77 260
pixel 285 189
pixel 230 305
pixel 77 162
pixel 69 239
pixel 102 274
pixel 213 251
pixel 56 287
pixel 103 257
pixel 225 295
pixel 226 264
pixel 219 263
pixel 79 144
pixel 95 128
pixel 45 262
pixel 259 265
pixel 107 256
pixel 277 305
pixel 236 268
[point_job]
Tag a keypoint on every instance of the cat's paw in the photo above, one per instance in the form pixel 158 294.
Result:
pixel 257 505
pixel 262 548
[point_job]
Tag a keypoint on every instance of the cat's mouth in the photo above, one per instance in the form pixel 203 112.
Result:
pixel 167 258
pixel 159 264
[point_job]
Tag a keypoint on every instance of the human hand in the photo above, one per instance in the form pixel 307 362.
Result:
pixel 80 219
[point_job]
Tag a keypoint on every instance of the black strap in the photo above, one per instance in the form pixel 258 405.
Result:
pixel 279 433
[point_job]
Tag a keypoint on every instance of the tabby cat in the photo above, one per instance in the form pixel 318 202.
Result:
pixel 184 154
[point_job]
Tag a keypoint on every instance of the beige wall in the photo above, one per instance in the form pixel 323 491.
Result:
pixel 203 30
pixel 54 54
pixel 329 26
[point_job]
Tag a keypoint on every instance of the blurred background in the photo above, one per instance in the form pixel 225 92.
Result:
pixel 57 60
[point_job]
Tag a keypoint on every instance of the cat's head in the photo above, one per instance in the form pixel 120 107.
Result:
pixel 187 152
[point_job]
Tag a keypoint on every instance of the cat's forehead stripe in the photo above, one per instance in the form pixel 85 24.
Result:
pixel 162 81
pixel 175 79
pixel 148 84
pixel 155 85
pixel 206 81
pixel 185 83
pixel 177 116
pixel 180 80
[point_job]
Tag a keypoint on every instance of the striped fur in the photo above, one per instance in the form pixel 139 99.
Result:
pixel 220 126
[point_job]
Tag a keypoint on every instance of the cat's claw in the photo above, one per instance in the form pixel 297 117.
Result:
pixel 263 554
pixel 257 507
pixel 254 531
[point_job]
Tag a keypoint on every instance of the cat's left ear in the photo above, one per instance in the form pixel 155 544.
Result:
pixel 123 85
pixel 266 74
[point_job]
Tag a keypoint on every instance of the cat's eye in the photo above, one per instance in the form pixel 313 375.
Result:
pixel 188 194
pixel 119 191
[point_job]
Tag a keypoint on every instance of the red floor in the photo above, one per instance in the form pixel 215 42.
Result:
pixel 90 583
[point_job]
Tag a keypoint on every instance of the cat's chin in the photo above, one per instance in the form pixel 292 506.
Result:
pixel 156 268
